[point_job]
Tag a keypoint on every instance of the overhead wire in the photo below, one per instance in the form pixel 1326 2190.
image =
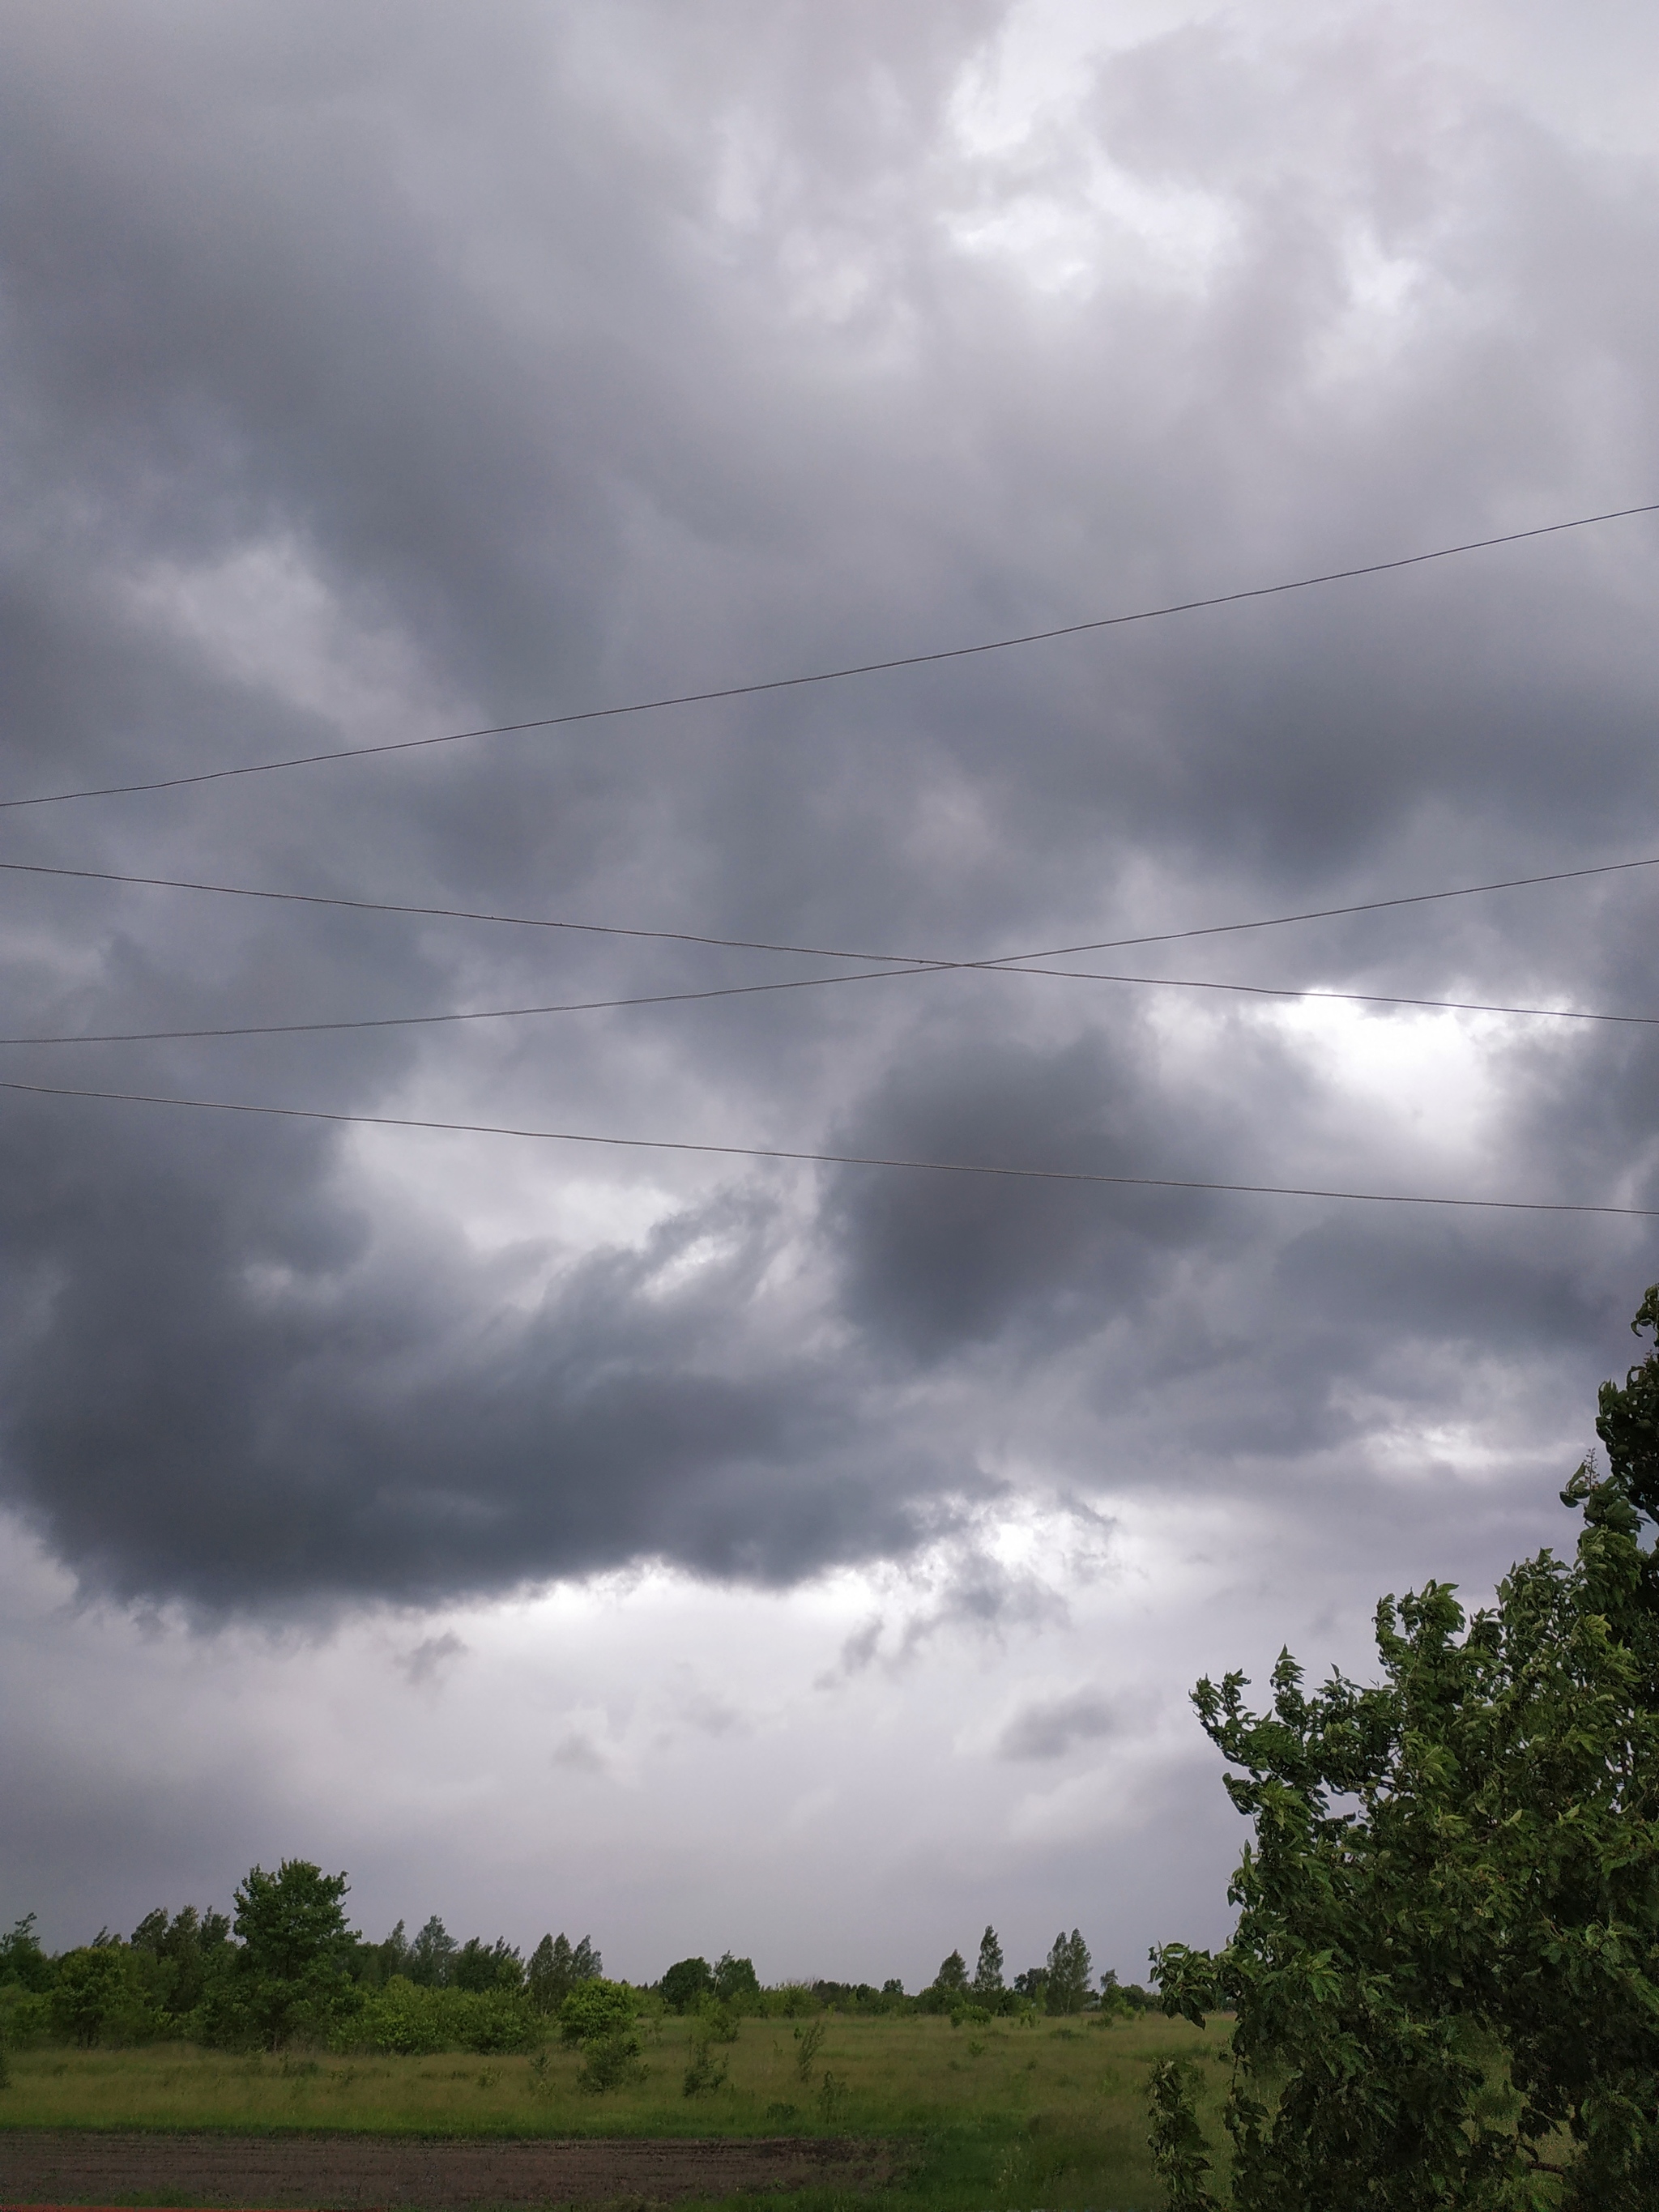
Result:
pixel 917 960
pixel 829 1160
pixel 754 689
pixel 893 963
pixel 1291 992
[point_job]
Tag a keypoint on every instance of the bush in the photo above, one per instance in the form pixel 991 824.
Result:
pixel 25 2016
pixel 405 2019
pixel 609 2061
pixel 702 2075
pixel 596 2009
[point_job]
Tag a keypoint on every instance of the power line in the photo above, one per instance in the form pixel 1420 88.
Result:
pixel 1293 992
pixel 829 1160
pixel 832 675
pixel 916 960
pixel 486 1013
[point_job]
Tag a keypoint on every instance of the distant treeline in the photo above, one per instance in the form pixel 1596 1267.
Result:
pixel 285 1967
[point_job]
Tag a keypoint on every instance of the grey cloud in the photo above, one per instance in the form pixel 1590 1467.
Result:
pixel 425 1662
pixel 556 379
pixel 578 1754
pixel 279 1416
pixel 933 1263
pixel 1050 1729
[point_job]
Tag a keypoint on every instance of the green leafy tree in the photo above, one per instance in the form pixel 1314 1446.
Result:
pixel 99 1996
pixel 555 1968
pixel 1445 1971
pixel 951 1979
pixel 548 1976
pixel 293 1970
pixel 988 1974
pixel 736 1981
pixel 1032 1986
pixel 481 1966
pixel 430 1955
pixel 686 1984
pixel 378 1963
pixel 21 1959
pixel 186 1952
pixel 1068 1974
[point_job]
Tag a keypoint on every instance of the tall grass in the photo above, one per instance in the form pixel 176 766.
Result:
pixel 995 2117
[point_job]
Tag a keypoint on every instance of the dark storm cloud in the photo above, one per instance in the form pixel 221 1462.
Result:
pixel 228 1399
pixel 1049 1729
pixel 375 372
pixel 936 1262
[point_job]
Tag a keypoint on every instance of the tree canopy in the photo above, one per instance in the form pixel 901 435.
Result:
pixel 1445 1971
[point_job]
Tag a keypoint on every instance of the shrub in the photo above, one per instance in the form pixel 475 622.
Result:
pixel 25 2016
pixel 596 2009
pixel 702 2075
pixel 609 2061
pixel 807 2042
pixel 410 2019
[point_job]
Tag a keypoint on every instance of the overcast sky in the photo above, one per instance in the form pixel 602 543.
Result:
pixel 705 1552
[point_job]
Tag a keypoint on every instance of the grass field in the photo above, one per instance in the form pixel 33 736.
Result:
pixel 998 2117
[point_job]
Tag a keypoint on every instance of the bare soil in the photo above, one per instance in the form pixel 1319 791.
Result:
pixel 339 2173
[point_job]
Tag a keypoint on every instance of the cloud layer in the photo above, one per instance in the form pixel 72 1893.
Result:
pixel 373 375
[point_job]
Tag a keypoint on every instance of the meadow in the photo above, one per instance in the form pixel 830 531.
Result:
pixel 1001 2115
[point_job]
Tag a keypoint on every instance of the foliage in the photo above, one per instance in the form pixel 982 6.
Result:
pixel 686 1984
pixel 702 2075
pixel 186 1952
pixel 480 1966
pixel 1445 1971
pixel 429 1956
pixel 597 2009
pixel 952 1976
pixel 292 1973
pixel 1118 2000
pixel 988 1974
pixel 416 2019
pixel 609 2061
pixel 1069 1973
pixel 808 2041
pixel 25 2015
pixel 555 1968
pixel 99 1996
pixel 1032 1986
pixel 21 1959
pixel 736 1981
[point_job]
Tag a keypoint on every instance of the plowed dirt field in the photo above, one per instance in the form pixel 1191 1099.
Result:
pixel 338 2174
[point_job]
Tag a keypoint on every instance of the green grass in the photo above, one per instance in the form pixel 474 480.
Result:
pixel 991 2117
